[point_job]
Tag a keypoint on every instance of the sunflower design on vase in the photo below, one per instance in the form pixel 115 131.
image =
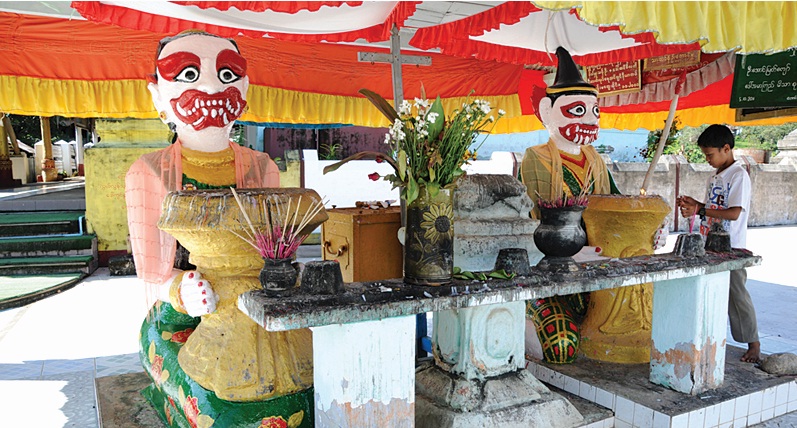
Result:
pixel 438 223
pixel 429 241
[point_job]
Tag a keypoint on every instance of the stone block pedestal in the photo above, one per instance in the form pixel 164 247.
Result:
pixel 688 336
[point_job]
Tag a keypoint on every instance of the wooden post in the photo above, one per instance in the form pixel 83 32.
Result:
pixel 11 134
pixel 48 163
pixel 6 167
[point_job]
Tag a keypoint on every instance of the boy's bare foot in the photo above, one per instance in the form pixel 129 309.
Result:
pixel 753 354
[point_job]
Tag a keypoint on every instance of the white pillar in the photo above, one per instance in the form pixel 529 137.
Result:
pixel 364 373
pixel 688 334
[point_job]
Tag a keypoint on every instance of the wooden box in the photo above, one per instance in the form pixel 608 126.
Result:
pixel 364 242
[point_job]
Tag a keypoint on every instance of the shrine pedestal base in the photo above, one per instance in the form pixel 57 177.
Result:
pixel 511 400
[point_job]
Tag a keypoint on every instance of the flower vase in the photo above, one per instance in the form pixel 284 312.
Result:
pixel 560 236
pixel 429 239
pixel 278 276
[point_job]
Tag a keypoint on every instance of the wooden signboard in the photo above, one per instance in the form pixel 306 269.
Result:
pixel 765 81
pixel 676 60
pixel 615 78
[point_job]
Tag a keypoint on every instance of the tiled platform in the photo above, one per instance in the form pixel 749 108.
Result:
pixel 748 396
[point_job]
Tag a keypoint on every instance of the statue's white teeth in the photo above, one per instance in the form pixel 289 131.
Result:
pixel 213 113
pixel 220 111
pixel 202 103
pixel 196 104
pixel 224 119
pixel 204 112
pixel 180 110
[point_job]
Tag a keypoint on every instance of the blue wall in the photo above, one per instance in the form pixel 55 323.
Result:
pixel 626 144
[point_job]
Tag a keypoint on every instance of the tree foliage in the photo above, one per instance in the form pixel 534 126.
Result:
pixel 676 144
pixel 762 137
pixel 28 128
pixel 683 141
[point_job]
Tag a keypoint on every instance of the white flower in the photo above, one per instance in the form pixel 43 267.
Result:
pixel 491 118
pixel 405 108
pixel 421 103
pixel 396 131
pixel 431 117
pixel 485 107
pixel 501 112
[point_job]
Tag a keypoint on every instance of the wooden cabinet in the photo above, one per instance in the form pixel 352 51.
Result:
pixel 364 242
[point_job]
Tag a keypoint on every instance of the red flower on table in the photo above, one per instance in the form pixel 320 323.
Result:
pixel 374 176
pixel 181 336
pixel 274 422
pixel 191 410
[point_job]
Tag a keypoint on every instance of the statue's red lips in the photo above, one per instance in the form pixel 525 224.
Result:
pixel 203 110
pixel 580 133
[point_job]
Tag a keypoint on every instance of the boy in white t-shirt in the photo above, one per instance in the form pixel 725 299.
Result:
pixel 728 202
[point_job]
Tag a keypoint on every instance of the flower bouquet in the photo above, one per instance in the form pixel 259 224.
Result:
pixel 427 150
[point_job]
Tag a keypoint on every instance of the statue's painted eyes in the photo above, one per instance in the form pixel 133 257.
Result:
pixel 596 111
pixel 574 110
pixel 228 76
pixel 189 74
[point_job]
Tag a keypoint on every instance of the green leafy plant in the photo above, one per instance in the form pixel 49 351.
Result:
pixel 426 147
pixel 329 151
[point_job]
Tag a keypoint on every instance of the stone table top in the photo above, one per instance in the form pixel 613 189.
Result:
pixel 375 300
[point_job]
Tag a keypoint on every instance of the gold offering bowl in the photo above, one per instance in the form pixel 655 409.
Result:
pixel 228 353
pixel 617 325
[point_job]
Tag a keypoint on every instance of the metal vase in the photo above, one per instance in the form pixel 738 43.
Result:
pixel 560 234
pixel 278 276
pixel 429 239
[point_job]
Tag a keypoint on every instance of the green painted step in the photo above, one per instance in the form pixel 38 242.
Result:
pixel 47 265
pixel 45 261
pixel 40 223
pixel 47 244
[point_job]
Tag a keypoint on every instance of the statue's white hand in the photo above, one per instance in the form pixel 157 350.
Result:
pixel 660 238
pixel 197 295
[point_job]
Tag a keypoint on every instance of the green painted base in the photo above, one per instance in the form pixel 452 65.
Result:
pixel 181 402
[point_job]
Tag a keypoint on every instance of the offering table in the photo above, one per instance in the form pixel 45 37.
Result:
pixel 363 338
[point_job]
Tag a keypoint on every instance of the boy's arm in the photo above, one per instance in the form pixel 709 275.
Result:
pixel 689 207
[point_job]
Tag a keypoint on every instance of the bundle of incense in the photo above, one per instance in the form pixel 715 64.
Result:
pixel 284 231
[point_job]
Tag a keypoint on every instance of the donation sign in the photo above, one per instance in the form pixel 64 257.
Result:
pixel 761 80
pixel 615 78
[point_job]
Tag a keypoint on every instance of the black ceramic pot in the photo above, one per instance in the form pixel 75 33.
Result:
pixel 560 234
pixel 278 276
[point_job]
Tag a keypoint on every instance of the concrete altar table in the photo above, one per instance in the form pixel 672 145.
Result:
pixel 363 339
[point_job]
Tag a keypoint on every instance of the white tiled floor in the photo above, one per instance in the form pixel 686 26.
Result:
pixel 742 411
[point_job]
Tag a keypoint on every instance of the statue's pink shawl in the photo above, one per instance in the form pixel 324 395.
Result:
pixel 148 181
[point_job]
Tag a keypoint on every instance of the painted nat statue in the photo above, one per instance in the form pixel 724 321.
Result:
pixel 610 325
pixel 209 363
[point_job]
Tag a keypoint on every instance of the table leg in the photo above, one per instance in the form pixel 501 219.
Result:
pixel 689 327
pixel 364 373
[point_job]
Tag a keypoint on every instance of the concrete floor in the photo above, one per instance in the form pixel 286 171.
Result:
pixel 52 350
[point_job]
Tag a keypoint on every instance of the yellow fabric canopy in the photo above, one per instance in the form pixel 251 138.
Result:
pixel 720 26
